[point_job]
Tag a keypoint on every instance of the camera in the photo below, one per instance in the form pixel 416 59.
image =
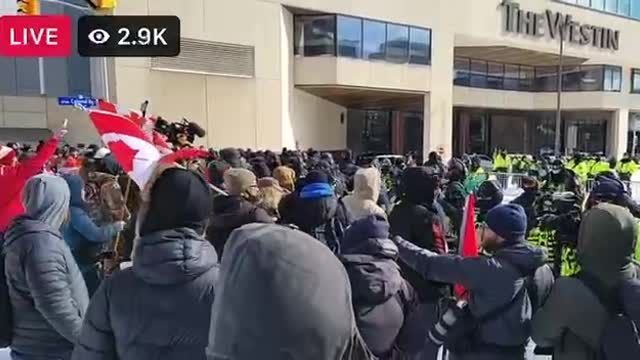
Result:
pixel 179 133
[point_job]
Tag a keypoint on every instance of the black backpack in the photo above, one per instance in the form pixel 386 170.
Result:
pixel 621 336
pixel 6 314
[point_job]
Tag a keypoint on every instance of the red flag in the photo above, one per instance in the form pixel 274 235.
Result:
pixel 128 143
pixel 468 239
pixel 105 105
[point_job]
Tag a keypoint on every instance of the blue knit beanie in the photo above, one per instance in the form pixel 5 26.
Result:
pixel 508 221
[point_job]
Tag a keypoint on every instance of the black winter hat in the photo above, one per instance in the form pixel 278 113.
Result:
pixel 179 199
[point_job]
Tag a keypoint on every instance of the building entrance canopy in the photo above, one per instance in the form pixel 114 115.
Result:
pixel 513 55
pixel 368 98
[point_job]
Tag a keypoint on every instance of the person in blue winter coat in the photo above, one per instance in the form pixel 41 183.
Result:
pixel 47 293
pixel 160 307
pixel 84 237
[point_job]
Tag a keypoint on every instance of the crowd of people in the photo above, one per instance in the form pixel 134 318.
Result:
pixel 297 255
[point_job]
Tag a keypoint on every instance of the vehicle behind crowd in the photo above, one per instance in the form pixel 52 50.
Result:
pixel 237 254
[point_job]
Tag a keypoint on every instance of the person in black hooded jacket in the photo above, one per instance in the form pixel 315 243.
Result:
pixel 160 307
pixel 416 219
pixel 385 304
pixel 316 210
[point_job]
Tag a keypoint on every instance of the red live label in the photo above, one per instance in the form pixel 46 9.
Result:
pixel 35 35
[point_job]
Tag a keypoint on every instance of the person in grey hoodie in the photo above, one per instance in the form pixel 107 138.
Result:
pixel 47 292
pixel 493 281
pixel 160 307
pixel 366 190
pixel 573 319
pixel 282 295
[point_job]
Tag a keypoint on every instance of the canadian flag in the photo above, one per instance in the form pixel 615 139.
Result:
pixel 128 143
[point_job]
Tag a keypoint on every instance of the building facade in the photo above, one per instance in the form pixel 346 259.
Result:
pixel 463 76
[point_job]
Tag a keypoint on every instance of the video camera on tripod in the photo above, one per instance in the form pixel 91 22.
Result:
pixel 180 133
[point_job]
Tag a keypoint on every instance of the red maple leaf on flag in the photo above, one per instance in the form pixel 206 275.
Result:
pixel 124 153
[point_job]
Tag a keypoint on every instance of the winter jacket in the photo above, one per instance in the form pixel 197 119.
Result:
pixel 47 292
pixel 366 192
pixel 527 200
pixel 493 282
pixel 416 220
pixel 157 309
pixel 304 309
pixel 13 178
pixel 386 306
pixel 230 213
pixel 572 320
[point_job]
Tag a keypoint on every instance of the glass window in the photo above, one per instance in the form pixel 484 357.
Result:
pixel 527 76
pixel 611 5
pixel 420 44
pixel 397 43
pixel 461 72
pixel 374 37
pixel 597 4
pixel 583 2
pixel 349 36
pixel 612 78
pixel 635 8
pixel 478 70
pixel 546 78
pixel 315 35
pixel 571 78
pixel 591 78
pixel 624 7
pixel 495 74
pixel 635 81
pixel 511 77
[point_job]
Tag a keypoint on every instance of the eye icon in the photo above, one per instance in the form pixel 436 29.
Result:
pixel 98 36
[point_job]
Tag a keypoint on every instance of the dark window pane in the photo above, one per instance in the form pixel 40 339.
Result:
pixel 478 71
pixel 461 72
pixel 349 36
pixel 420 45
pixel 315 35
pixel 374 38
pixel 527 76
pixel 546 78
pixel 397 43
pixel 624 7
pixel 495 74
pixel 611 5
pixel 511 77
pixel 591 78
pixel 571 78
pixel 635 86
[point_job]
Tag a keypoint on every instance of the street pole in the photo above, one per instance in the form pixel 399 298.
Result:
pixel 558 134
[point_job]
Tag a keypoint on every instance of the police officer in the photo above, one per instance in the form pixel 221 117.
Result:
pixel 627 167
pixel 561 179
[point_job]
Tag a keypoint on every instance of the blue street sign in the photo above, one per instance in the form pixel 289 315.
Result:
pixel 86 101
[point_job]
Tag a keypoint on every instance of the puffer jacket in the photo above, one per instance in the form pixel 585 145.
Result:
pixel 493 282
pixel 230 213
pixel 157 309
pixel 573 319
pixel 48 294
pixel 366 191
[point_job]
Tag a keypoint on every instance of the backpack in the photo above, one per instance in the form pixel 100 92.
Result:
pixel 621 335
pixel 332 232
pixel 6 313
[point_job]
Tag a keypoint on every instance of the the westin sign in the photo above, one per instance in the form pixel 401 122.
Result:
pixel 555 24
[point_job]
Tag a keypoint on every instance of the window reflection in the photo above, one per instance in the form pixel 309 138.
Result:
pixel 624 7
pixel 635 8
pixel 571 78
pixel 374 38
pixel 461 72
pixel 635 81
pixel 397 43
pixel 612 78
pixel 349 36
pixel 546 78
pixel 597 4
pixel 591 78
pixel 420 46
pixel 478 70
pixel 315 35
pixel 527 76
pixel 611 5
